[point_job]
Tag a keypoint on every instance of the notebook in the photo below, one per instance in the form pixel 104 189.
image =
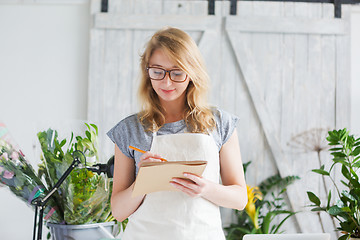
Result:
pixel 302 236
pixel 156 176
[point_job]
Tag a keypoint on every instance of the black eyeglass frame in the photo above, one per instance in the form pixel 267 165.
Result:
pixel 166 71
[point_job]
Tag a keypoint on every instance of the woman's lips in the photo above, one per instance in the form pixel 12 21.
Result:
pixel 167 91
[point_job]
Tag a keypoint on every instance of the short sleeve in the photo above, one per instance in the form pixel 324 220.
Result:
pixel 120 134
pixel 226 124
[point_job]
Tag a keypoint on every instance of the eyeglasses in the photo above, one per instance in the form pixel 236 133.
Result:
pixel 176 75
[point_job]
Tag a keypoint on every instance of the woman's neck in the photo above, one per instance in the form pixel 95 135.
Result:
pixel 173 115
pixel 173 112
pixel 173 118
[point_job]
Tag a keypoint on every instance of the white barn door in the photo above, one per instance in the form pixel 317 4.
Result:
pixel 281 67
pixel 293 60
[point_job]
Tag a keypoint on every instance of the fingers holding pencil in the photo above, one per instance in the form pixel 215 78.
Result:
pixel 142 151
pixel 147 156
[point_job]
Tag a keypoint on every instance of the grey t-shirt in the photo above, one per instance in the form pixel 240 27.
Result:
pixel 129 131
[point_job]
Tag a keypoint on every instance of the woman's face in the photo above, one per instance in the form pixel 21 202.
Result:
pixel 167 90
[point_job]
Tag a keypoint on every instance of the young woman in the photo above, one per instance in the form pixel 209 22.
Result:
pixel 176 123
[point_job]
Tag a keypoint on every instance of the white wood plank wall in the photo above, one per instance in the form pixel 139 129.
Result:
pixel 283 68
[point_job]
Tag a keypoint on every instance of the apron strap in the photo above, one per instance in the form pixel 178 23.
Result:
pixel 154 133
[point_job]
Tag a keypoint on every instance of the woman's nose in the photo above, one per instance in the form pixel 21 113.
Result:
pixel 167 79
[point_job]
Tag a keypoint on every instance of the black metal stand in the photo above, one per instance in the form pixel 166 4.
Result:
pixel 107 168
pixel 40 202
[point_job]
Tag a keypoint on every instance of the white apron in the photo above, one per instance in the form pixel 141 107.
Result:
pixel 175 215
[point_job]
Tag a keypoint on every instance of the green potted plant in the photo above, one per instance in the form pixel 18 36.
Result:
pixel 345 205
pixel 83 199
pixel 265 202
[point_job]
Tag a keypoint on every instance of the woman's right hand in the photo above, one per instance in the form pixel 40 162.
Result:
pixel 149 157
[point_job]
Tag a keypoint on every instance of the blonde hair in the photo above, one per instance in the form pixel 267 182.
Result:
pixel 182 49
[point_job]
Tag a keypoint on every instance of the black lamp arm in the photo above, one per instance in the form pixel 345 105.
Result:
pixel 40 202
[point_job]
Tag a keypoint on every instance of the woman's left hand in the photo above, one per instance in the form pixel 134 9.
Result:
pixel 191 184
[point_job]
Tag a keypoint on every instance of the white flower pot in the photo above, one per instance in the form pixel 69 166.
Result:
pixel 94 231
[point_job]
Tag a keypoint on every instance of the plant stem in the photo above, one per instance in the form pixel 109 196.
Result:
pixel 322 176
pixel 326 192
pixel 323 180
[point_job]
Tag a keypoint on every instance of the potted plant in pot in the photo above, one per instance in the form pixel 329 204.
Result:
pixel 265 203
pixel 345 207
pixel 84 196
pixel 81 202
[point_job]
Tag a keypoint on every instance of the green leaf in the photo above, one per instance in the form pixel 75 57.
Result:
pixel 348 226
pixel 71 139
pixel 356 162
pixel 338 154
pixel 266 222
pixel 341 160
pixel 334 210
pixel 336 149
pixel 343 135
pixel 355 176
pixel 356 151
pixel 269 183
pixel 276 181
pixel 345 172
pixel 270 216
pixel 96 128
pixel 355 193
pixel 320 171
pixel 93 137
pixel 346 198
pixel 245 166
pixel 63 142
pixel 344 237
pixel 317 209
pixel 332 135
pixel 88 135
pixel 329 199
pixel 313 198
pixel 87 143
pixel 332 166
pixel 282 222
pixel 346 209
pixel 345 184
